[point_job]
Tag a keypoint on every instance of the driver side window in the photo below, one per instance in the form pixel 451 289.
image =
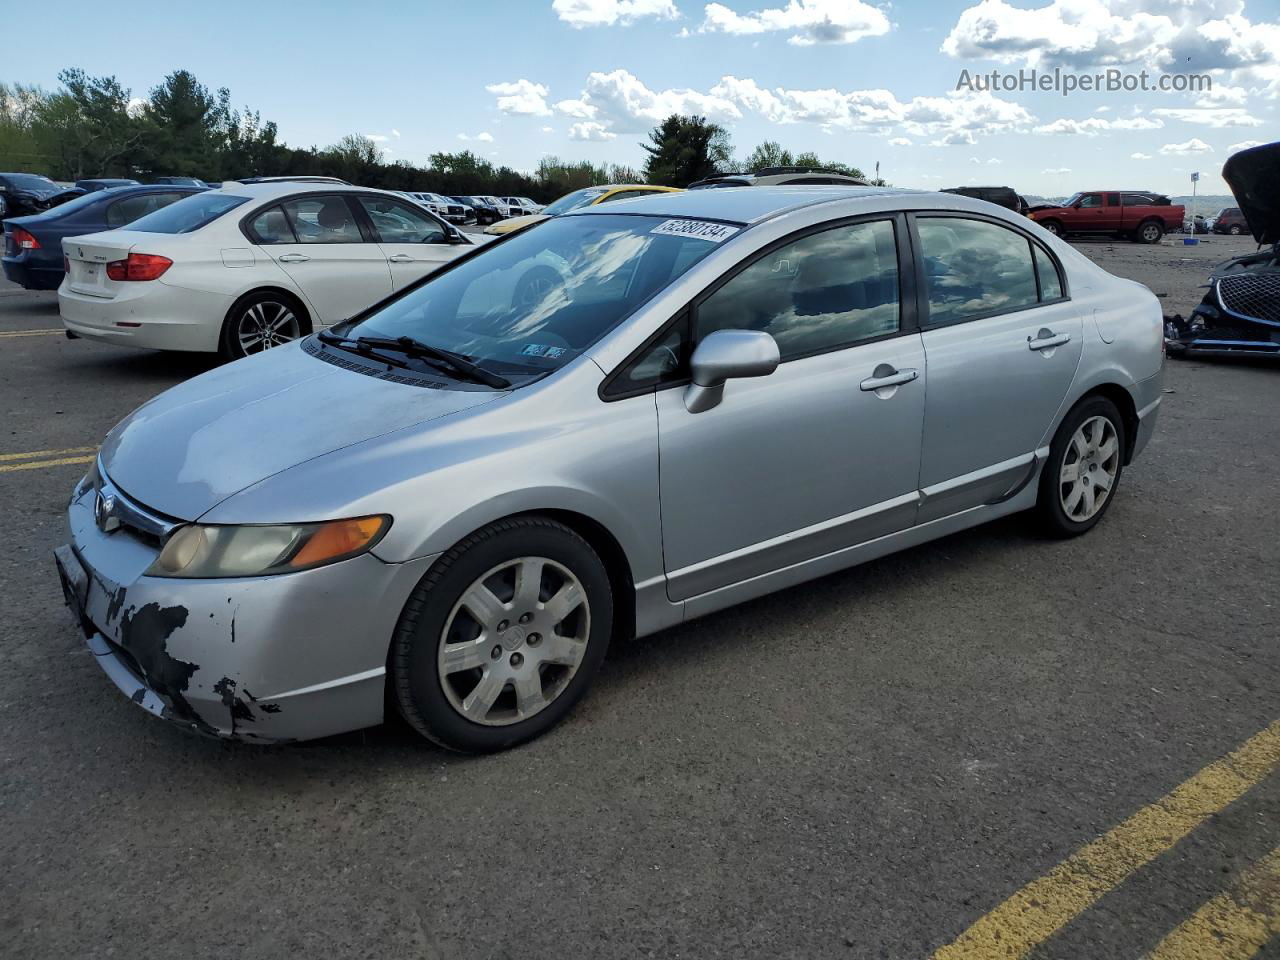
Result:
pixel 1091 200
pixel 395 222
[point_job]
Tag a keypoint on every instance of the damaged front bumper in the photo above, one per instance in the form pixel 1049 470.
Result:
pixel 265 659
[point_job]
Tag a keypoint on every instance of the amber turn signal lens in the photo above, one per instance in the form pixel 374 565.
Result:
pixel 337 539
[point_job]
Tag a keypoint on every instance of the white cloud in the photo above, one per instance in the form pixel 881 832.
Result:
pixel 994 162
pixel 1092 126
pixel 395 133
pixel 899 142
pixel 1057 170
pixel 376 137
pixel 974 160
pixel 1166 34
pixel 956 138
pixel 1243 145
pixel 590 130
pixel 620 102
pixel 547 130
pixel 808 21
pixel 1217 117
pixel 1139 156
pixel 606 13
pixel 1192 146
pixel 135 106
pixel 521 97
pixel 1103 110
pixel 485 137
pixel 578 109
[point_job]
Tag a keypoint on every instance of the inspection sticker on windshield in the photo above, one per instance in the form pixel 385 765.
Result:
pixel 701 229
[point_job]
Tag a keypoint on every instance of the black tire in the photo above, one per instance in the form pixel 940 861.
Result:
pixel 1151 231
pixel 416 685
pixel 1053 517
pixel 229 345
pixel 1234 230
pixel 1054 227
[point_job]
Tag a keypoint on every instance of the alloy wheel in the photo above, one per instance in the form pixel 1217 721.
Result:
pixel 266 324
pixel 1151 233
pixel 513 641
pixel 1089 469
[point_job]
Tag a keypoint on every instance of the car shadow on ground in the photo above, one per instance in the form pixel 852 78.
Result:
pixel 148 366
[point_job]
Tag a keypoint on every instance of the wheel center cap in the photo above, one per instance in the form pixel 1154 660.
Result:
pixel 513 637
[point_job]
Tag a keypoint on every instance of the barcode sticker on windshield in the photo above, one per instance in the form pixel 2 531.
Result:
pixel 701 229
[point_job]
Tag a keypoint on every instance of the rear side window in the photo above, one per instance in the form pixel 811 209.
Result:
pixel 272 226
pixel 189 214
pixel 823 291
pixel 973 268
pixel 1135 199
pixel 322 219
pixel 1050 282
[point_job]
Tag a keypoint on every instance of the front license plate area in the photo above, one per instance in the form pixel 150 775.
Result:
pixel 75 581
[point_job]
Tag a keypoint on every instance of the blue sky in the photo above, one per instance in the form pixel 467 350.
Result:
pixel 852 81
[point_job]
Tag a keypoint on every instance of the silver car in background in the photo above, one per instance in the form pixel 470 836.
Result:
pixel 610 423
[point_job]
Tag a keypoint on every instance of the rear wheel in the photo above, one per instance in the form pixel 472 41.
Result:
pixel 1150 232
pixel 260 321
pixel 1083 471
pixel 502 636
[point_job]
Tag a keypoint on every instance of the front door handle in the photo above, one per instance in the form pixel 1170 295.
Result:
pixel 885 378
pixel 1047 338
pixel 401 258
pixel 294 258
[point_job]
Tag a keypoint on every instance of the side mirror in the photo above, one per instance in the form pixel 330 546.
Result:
pixel 727 355
pixel 455 236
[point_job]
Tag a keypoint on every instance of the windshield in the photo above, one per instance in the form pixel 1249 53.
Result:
pixel 188 214
pixel 572 201
pixel 530 304
pixel 29 181
pixel 1071 199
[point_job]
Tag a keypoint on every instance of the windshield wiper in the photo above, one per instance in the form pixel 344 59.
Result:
pixel 359 347
pixel 454 361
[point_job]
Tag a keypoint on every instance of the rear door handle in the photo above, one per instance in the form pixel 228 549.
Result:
pixel 1046 339
pixel 294 258
pixel 885 376
pixel 401 258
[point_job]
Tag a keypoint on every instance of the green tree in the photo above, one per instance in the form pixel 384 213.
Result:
pixel 685 149
pixel 769 154
pixel 86 126
pixel 187 127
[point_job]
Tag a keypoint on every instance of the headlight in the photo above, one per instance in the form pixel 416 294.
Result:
pixel 197 551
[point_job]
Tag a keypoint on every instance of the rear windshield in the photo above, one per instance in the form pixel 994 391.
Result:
pixel 28 181
pixel 79 203
pixel 533 302
pixel 188 214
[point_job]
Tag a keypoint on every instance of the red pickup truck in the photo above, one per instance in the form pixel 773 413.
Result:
pixel 1135 214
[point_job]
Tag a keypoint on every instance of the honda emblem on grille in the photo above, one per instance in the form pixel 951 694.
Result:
pixel 104 513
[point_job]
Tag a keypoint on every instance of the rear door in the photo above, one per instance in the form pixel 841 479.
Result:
pixel 320 245
pixel 413 242
pixel 1002 341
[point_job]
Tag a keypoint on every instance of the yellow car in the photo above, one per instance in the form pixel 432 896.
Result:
pixel 586 197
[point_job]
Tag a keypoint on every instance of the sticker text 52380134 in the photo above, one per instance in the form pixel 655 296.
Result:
pixel 701 229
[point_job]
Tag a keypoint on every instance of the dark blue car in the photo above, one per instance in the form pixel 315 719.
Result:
pixel 33 245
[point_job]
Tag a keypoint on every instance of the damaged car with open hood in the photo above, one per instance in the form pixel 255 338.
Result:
pixel 24 194
pixel 1240 313
pixel 603 425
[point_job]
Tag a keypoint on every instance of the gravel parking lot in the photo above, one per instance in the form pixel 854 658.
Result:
pixel 862 766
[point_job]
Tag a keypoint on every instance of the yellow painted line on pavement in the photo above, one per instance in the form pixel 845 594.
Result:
pixel 1234 925
pixel 32 333
pixel 1044 906
pixel 39 464
pixel 33 454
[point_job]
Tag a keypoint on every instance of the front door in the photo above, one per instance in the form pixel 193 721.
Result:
pixel 337 269
pixel 415 243
pixel 1002 342
pixel 819 455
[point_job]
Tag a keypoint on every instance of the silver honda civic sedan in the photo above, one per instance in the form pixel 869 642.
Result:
pixel 610 423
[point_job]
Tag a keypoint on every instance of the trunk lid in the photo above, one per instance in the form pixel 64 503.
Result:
pixel 190 448
pixel 88 256
pixel 1254 178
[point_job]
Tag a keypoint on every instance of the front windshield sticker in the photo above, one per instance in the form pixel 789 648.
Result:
pixel 700 229
pixel 542 350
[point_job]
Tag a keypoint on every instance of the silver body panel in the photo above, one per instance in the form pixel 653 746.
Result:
pixel 793 475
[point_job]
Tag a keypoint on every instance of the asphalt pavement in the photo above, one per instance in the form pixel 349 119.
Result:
pixel 988 738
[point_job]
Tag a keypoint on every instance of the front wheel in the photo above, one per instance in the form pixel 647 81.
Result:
pixel 1053 226
pixel 1083 471
pixel 1234 230
pixel 502 636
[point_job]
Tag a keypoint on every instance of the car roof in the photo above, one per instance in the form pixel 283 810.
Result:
pixel 743 204
pixel 289 188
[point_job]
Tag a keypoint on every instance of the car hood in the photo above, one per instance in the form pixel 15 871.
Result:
pixel 193 446
pixel 1254 178
pixel 512 224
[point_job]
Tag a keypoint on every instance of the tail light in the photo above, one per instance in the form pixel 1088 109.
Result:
pixel 25 240
pixel 138 266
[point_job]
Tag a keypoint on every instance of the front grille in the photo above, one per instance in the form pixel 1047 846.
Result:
pixel 140 522
pixel 1255 296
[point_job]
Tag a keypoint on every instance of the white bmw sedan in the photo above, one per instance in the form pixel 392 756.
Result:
pixel 250 266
